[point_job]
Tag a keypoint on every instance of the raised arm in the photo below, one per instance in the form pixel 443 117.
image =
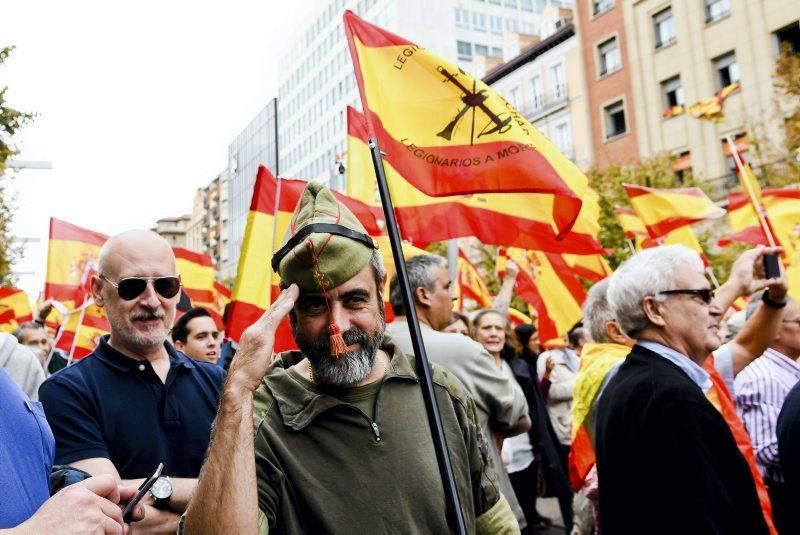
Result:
pixel 226 497
pixel 502 300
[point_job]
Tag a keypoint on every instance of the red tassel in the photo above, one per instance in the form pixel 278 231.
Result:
pixel 338 347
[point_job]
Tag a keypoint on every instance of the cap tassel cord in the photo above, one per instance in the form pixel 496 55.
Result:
pixel 338 347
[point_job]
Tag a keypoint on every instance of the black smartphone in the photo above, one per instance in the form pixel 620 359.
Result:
pixel 143 488
pixel 772 268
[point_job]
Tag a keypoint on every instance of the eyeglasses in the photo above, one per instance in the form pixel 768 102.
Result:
pixel 130 288
pixel 706 294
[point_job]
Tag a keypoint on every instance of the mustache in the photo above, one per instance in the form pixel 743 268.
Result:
pixel 149 315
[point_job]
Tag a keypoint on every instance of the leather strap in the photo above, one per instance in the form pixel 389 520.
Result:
pixel 322 228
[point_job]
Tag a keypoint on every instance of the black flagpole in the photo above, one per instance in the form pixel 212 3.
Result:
pixel 456 519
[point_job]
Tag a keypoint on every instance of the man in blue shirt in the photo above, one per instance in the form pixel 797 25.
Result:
pixel 136 401
pixel 25 462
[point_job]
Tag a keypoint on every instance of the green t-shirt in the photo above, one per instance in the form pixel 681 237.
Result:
pixel 361 397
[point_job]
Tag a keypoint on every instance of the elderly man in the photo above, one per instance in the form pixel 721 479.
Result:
pixel 339 442
pixel 196 334
pixel 656 429
pixel 501 404
pixel 760 390
pixel 34 335
pixel 136 401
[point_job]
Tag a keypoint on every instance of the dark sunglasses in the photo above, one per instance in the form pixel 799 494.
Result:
pixel 130 288
pixel 706 294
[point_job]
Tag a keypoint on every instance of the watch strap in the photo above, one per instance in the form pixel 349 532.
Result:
pixel 769 302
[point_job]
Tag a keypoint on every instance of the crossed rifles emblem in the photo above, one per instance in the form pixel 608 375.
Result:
pixel 472 100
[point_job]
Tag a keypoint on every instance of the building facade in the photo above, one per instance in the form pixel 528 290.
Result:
pixel 685 51
pixel 208 226
pixel 316 73
pixel 173 229
pixel 612 115
pixel 256 145
pixel 545 82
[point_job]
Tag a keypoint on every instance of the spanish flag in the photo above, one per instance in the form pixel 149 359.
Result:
pixel 15 308
pixel 269 216
pixel 82 330
pixel 522 220
pixel 664 210
pixel 448 133
pixel 631 223
pixel 518 318
pixel 743 221
pixel 547 282
pixel 593 268
pixel 747 179
pixel 69 250
pixel 470 284
pixel 198 282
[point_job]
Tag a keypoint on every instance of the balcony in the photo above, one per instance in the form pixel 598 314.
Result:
pixel 544 105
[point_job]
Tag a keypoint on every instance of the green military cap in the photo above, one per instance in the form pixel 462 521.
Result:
pixel 325 244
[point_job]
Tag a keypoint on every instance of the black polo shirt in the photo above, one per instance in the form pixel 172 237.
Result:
pixel 109 405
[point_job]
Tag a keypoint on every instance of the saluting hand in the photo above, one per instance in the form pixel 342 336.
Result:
pixel 254 354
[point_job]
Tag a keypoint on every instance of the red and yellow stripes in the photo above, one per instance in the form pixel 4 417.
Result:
pixel 69 250
pixel 664 210
pixel 469 284
pixel 82 330
pixel 547 282
pixel 15 308
pixel 522 220
pixel 448 133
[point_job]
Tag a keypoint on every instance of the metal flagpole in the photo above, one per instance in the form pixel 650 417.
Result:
pixel 455 515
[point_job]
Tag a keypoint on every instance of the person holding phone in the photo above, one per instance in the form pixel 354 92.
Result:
pixel 89 506
pixel 137 401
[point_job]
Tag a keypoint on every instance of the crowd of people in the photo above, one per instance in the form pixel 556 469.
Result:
pixel 661 412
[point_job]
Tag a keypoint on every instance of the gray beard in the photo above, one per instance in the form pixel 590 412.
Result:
pixel 345 370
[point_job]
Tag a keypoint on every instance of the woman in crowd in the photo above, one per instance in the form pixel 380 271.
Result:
pixel 490 329
pixel 460 324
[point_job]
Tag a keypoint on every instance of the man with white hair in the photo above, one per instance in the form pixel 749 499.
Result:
pixel 656 429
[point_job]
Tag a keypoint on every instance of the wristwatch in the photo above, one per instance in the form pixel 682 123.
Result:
pixel 162 492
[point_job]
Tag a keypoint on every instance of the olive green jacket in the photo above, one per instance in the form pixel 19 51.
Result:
pixel 323 466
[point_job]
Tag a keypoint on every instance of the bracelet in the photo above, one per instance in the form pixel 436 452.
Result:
pixel 769 302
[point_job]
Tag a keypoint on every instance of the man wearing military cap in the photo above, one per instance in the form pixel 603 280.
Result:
pixel 337 429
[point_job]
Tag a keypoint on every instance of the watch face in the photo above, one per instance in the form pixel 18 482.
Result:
pixel 162 488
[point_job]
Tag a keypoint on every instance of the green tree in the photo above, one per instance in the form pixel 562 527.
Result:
pixel 11 120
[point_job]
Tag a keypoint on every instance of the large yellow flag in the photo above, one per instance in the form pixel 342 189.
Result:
pixel 521 220
pixel 447 132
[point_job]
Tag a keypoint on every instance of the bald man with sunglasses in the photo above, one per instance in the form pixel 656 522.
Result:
pixel 136 401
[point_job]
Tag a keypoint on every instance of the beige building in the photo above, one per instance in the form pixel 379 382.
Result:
pixel 208 228
pixel 685 51
pixel 546 83
pixel 173 229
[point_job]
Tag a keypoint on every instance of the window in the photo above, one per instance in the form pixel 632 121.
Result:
pixel 562 139
pixel 511 3
pixel 513 97
pixel 717 9
pixel 494 2
pixel 608 53
pixel 482 50
pixel 727 70
pixel 790 36
pixel 496 24
pixel 615 119
pixel 497 52
pixel 672 90
pixel 537 93
pixel 462 18
pixel 526 5
pixel 464 51
pixel 479 22
pixel 601 6
pixel 512 25
pixel 682 166
pixel 558 81
pixel 664 26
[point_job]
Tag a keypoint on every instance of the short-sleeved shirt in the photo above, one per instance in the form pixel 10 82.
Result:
pixel 26 454
pixel 112 406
